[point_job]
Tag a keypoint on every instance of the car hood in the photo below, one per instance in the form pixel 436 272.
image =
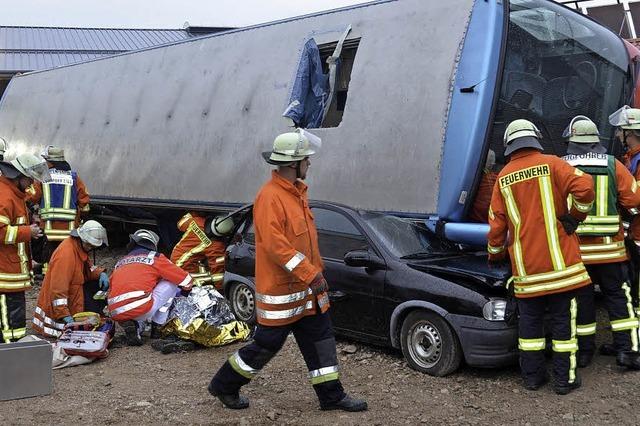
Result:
pixel 469 266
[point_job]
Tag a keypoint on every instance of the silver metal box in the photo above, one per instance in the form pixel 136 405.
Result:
pixel 25 369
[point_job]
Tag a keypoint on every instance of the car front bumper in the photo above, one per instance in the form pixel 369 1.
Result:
pixel 486 343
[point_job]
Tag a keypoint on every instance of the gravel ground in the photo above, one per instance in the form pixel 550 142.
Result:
pixel 139 385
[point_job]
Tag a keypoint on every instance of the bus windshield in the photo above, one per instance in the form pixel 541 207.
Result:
pixel 559 64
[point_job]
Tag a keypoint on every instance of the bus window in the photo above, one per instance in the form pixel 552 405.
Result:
pixel 559 64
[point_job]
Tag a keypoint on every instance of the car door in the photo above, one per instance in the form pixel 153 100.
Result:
pixel 355 292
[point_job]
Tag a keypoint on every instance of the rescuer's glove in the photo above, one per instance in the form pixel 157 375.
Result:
pixel 569 223
pixel 68 319
pixel 319 284
pixel 103 281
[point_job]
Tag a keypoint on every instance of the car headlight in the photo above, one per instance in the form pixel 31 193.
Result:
pixel 494 309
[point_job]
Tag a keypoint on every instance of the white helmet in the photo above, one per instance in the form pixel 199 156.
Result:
pixel 145 238
pixel 27 165
pixel 291 147
pixel 91 232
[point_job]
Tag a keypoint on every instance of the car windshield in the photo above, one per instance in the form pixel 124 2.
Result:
pixel 405 238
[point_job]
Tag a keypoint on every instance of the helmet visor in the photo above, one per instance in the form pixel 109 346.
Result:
pixel 39 172
pixel 621 117
pixel 315 143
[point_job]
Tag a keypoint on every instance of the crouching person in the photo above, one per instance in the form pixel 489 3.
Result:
pixel 143 285
pixel 72 280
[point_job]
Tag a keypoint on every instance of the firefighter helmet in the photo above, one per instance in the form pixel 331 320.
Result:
pixel 93 233
pixel 291 147
pixel 219 226
pixel 626 118
pixel 53 153
pixel 521 134
pixel 145 238
pixel 31 166
pixel 582 130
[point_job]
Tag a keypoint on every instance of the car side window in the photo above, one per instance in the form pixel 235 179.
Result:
pixel 249 235
pixel 337 235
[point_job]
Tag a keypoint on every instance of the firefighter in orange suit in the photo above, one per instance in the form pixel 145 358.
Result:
pixel 72 280
pixel 198 246
pixel 529 204
pixel 61 201
pixel 602 245
pixel 291 292
pixel 15 235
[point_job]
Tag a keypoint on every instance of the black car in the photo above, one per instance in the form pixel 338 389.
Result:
pixel 394 283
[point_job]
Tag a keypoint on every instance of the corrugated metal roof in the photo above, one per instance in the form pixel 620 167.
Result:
pixel 34 48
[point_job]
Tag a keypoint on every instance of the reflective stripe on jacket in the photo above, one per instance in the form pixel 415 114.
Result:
pixel 134 278
pixel 15 235
pixel 62 292
pixel 528 198
pixel 603 219
pixel 195 247
pixel 611 248
pixel 287 254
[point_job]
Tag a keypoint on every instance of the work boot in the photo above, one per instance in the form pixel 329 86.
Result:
pixel 159 343
pixel 608 350
pixel 131 332
pixel 628 359
pixel 155 331
pixel 346 404
pixel 177 345
pixel 535 384
pixel 584 359
pixel 566 388
pixel 234 401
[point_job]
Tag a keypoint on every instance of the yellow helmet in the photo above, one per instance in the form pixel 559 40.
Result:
pixel 291 147
pixel 582 130
pixel 520 134
pixel 626 118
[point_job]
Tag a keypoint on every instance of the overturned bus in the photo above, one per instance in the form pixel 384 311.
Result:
pixel 418 92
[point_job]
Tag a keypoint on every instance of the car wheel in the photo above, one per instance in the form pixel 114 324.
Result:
pixel 243 303
pixel 429 344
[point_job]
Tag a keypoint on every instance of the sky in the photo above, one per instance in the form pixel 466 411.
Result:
pixel 158 13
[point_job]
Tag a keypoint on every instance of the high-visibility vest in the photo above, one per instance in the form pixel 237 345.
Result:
pixel 60 196
pixel 604 218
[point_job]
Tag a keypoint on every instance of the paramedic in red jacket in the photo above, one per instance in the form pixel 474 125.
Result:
pixel 143 285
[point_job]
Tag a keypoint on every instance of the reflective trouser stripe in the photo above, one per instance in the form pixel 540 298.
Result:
pixel 586 329
pixel 240 367
pixel 531 344
pixel 47 320
pixel 572 357
pixel 633 329
pixel 4 317
pixel 15 334
pixel 324 374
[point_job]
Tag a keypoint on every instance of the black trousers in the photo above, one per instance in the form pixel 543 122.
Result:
pixel 13 316
pixel 562 308
pixel 316 341
pixel 613 281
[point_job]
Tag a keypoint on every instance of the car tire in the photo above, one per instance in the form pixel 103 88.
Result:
pixel 242 299
pixel 429 344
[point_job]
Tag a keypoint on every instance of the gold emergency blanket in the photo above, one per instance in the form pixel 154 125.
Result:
pixel 201 332
pixel 204 317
